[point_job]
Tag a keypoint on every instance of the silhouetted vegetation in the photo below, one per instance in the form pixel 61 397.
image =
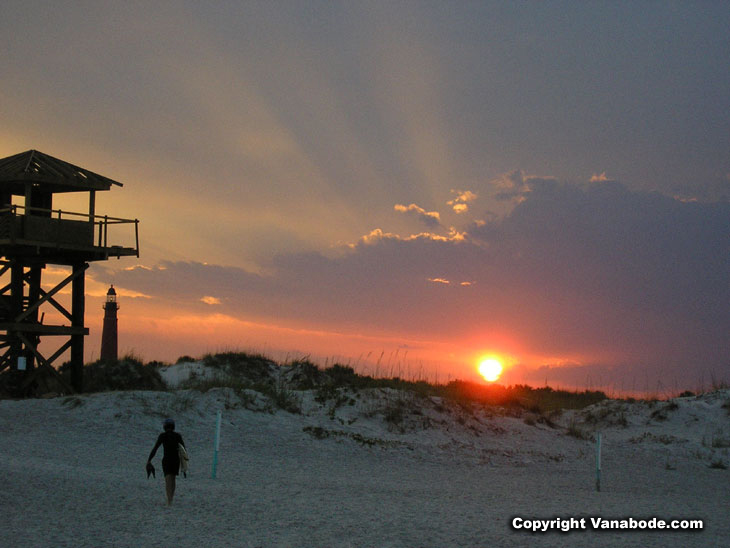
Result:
pixel 577 432
pixel 323 433
pixel 254 368
pixel 333 385
pixel 128 373
pixel 726 406
pixel 662 413
pixel 242 371
pixel 305 375
pixel 539 400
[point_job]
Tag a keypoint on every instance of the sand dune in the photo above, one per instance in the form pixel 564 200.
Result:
pixel 346 473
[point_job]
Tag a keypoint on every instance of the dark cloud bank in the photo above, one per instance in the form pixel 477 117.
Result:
pixel 630 285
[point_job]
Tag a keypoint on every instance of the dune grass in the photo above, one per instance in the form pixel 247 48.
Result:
pixel 280 383
pixel 240 370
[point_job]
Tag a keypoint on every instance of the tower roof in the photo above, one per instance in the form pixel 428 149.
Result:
pixel 39 168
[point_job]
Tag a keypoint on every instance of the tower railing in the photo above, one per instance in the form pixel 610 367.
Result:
pixel 66 219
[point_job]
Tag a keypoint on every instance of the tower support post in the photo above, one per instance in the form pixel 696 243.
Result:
pixel 34 294
pixel 16 309
pixel 77 313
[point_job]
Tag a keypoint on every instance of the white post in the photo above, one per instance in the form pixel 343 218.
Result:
pixel 217 442
pixel 598 462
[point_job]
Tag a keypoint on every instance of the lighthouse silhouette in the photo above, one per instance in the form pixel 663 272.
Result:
pixel 109 334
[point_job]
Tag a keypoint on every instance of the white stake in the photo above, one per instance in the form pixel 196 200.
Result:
pixel 598 462
pixel 217 442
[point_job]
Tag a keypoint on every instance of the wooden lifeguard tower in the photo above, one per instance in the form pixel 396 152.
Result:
pixel 33 235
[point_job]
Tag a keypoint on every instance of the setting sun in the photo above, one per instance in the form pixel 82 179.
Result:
pixel 490 369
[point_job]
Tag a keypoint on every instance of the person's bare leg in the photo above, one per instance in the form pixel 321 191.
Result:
pixel 170 487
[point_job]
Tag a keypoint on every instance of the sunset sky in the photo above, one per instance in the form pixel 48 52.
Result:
pixel 404 186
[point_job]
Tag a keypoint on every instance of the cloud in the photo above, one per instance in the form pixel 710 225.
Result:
pixel 211 300
pixel 599 178
pixel 432 219
pixel 373 237
pixel 686 199
pixel 514 185
pixel 444 281
pixel 650 270
pixel 593 274
pixel 376 235
pixel 459 203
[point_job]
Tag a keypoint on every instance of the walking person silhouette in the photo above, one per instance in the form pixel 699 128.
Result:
pixel 169 439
